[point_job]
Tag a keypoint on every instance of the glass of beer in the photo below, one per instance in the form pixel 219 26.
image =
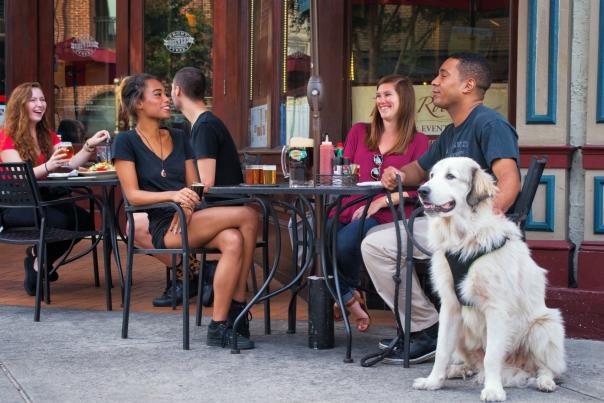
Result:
pixel 67 149
pixel 197 187
pixel 298 157
pixel 269 174
pixel 253 174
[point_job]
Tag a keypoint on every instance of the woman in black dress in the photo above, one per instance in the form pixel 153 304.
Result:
pixel 154 165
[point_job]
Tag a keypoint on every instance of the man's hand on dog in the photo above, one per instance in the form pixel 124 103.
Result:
pixel 389 177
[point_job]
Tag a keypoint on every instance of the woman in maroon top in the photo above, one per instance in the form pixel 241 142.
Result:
pixel 391 139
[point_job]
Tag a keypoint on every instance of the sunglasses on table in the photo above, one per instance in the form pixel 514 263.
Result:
pixel 376 173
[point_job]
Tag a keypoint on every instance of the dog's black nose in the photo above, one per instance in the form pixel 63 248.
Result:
pixel 423 191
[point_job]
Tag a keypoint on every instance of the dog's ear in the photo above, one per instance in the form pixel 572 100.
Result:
pixel 482 187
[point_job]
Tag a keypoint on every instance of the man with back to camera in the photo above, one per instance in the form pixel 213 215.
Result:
pixel 477 132
pixel 213 148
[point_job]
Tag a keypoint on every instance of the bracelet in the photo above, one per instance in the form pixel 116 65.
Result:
pixel 187 207
pixel 89 148
pixel 45 167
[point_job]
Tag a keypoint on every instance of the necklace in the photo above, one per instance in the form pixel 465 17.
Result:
pixel 161 150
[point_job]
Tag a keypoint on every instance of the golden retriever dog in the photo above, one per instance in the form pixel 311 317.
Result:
pixel 493 318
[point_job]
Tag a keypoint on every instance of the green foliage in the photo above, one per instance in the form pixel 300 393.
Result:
pixel 163 17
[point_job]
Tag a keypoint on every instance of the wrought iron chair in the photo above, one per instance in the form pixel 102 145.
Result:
pixel 184 251
pixel 19 190
pixel 520 210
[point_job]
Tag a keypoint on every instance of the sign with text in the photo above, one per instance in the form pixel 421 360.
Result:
pixel 430 119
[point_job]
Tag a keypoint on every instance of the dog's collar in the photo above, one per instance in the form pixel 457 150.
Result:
pixel 460 267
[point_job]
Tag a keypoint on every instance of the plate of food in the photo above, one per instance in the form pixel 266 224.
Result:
pixel 104 169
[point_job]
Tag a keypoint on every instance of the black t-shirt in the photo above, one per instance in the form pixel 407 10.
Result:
pixel 211 139
pixel 484 136
pixel 128 146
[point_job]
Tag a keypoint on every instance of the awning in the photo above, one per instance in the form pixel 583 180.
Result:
pixel 78 50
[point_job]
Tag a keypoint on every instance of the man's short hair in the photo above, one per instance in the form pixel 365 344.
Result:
pixel 474 65
pixel 192 82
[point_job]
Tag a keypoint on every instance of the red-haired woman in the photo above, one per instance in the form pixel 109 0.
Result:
pixel 26 136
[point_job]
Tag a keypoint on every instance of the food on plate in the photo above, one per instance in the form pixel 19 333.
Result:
pixel 98 167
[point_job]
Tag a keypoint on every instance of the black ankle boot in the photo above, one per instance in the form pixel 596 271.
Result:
pixel 165 299
pixel 220 334
pixel 244 325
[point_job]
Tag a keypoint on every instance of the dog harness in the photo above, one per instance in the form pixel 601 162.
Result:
pixel 460 268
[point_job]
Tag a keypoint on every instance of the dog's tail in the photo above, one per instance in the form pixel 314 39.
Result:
pixel 545 340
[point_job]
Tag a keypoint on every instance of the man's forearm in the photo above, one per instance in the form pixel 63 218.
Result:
pixel 414 174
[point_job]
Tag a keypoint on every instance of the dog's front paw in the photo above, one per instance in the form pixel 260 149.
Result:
pixel 545 384
pixel 427 383
pixel 492 394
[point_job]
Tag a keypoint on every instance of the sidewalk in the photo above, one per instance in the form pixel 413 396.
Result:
pixel 78 356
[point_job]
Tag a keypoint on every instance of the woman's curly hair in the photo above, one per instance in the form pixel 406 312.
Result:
pixel 16 124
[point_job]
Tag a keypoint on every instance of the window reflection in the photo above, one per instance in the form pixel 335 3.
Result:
pixel 414 37
pixel 84 64
pixel 179 33
pixel 295 110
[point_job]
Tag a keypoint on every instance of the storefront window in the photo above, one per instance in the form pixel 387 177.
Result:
pixel 84 67
pixel 296 71
pixel 260 77
pixel 178 33
pixel 414 37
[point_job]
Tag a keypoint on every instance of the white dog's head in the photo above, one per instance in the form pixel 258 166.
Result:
pixel 456 183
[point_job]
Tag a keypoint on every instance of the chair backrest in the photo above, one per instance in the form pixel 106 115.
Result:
pixel 18 186
pixel 525 199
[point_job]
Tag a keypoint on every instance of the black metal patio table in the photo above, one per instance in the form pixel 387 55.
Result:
pixel 318 241
pixel 109 219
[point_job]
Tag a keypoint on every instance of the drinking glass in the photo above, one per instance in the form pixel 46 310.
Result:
pixel 67 148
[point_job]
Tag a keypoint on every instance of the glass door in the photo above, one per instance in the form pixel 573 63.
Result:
pixel 84 67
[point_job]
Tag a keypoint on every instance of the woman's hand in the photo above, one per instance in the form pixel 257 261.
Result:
pixel 375 206
pixel 98 138
pixel 57 160
pixel 186 198
pixel 175 226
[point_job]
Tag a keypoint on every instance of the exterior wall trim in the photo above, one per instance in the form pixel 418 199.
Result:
pixel 557 156
pixel 593 156
pixel 549 224
pixel 600 85
pixel 531 115
pixel 598 200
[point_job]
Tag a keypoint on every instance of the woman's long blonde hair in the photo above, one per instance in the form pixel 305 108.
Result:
pixel 16 124
pixel 405 116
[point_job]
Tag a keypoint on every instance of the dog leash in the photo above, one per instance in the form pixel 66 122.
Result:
pixel 373 358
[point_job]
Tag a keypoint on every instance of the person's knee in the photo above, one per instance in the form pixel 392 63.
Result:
pixel 230 242
pixel 142 237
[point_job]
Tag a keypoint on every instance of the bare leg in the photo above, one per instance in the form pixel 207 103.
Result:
pixel 142 237
pixel 248 228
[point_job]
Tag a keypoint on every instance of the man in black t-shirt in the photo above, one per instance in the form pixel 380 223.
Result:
pixel 213 147
pixel 477 132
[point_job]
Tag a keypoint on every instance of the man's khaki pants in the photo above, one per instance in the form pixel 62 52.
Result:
pixel 379 254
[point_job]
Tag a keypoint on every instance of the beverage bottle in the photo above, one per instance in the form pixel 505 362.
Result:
pixel 325 156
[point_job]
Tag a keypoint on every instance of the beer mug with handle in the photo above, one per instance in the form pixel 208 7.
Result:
pixel 298 157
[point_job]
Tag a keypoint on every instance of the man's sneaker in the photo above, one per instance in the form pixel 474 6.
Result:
pixel 421 349
pixel 384 343
pixel 221 335
pixel 165 299
pixel 244 324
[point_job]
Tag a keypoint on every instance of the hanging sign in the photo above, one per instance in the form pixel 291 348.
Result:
pixel 84 47
pixel 178 41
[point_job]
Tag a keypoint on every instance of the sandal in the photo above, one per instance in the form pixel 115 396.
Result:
pixel 362 323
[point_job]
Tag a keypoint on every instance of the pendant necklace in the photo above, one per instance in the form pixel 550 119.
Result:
pixel 161 152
